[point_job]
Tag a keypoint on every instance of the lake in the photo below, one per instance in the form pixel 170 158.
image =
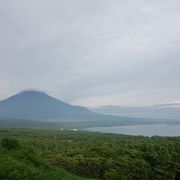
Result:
pixel 145 130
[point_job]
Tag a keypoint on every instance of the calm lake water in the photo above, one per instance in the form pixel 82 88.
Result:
pixel 145 130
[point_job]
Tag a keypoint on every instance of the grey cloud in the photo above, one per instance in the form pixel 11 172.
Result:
pixel 119 51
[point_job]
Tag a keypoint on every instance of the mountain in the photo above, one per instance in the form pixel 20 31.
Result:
pixel 38 109
pixel 32 104
pixel 162 111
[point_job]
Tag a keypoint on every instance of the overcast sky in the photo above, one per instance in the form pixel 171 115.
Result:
pixel 92 52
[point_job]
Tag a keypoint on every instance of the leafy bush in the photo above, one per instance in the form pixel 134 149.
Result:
pixel 92 155
pixel 10 143
pixel 24 162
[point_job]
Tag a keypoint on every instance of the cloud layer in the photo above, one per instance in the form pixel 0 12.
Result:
pixel 91 52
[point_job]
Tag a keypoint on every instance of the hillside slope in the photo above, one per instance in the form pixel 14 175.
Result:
pixel 21 161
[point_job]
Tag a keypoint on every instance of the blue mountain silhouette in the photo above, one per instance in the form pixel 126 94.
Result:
pixel 35 104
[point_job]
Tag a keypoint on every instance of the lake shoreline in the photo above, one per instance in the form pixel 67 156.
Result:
pixel 170 130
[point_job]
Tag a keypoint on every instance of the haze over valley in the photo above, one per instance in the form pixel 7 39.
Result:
pixel 169 111
pixel 33 108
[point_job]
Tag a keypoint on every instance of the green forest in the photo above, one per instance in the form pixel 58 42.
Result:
pixel 69 155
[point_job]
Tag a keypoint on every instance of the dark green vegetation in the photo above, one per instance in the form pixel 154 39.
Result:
pixel 20 160
pixel 41 154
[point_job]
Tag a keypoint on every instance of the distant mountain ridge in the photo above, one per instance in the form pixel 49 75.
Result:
pixel 169 111
pixel 36 104
pixel 37 109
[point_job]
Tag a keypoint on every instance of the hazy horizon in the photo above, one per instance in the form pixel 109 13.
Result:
pixel 92 53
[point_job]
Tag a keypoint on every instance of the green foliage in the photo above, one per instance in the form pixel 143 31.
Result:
pixel 111 174
pixel 23 162
pixel 9 143
pixel 43 154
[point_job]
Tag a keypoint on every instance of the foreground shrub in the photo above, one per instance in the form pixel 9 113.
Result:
pixel 9 143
